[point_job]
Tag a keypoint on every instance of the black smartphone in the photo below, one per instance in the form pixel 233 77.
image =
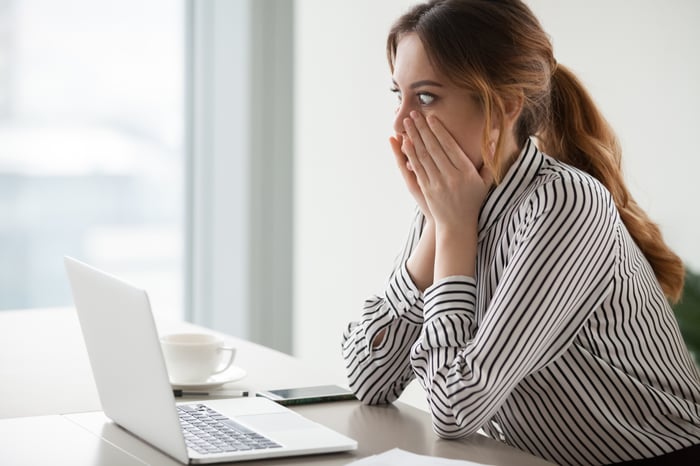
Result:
pixel 306 395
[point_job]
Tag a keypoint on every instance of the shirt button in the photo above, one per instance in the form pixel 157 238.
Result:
pixel 410 294
pixel 401 306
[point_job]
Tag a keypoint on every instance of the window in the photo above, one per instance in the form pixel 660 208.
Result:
pixel 91 146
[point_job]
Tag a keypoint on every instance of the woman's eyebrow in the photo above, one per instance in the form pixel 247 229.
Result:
pixel 424 82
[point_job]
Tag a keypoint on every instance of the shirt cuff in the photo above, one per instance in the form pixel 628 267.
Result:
pixel 450 295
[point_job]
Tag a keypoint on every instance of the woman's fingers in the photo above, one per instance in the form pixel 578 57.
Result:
pixel 400 157
pixel 396 149
pixel 448 144
pixel 408 148
pixel 436 157
pixel 422 155
pixel 408 174
pixel 438 153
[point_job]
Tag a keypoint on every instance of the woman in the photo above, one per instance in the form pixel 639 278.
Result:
pixel 531 298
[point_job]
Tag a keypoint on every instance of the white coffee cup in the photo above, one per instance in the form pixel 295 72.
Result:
pixel 194 357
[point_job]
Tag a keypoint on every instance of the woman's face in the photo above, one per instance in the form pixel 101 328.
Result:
pixel 420 87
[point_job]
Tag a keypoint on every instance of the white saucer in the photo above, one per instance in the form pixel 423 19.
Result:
pixel 232 374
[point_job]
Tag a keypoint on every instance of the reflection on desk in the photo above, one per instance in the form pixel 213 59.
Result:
pixel 54 440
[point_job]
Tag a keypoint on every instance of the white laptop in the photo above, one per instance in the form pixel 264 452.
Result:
pixel 135 392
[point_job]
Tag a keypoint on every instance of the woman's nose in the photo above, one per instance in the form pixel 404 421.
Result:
pixel 401 113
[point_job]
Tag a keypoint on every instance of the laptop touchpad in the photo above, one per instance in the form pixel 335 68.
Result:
pixel 275 422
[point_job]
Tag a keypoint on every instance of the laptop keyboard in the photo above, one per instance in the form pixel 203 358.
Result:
pixel 207 431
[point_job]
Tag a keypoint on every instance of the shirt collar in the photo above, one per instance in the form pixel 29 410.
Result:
pixel 519 176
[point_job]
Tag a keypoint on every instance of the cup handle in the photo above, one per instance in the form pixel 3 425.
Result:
pixel 231 356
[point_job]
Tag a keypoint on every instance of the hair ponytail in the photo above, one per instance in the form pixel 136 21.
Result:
pixel 577 134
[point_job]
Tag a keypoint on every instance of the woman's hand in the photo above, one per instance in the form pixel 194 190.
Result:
pixel 452 187
pixel 397 145
pixel 421 263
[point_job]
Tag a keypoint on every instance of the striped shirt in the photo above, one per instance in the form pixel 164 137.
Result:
pixel 562 344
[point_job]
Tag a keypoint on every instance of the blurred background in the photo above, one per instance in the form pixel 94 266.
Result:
pixel 91 145
pixel 232 157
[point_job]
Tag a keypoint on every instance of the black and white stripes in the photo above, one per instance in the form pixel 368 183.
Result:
pixel 562 344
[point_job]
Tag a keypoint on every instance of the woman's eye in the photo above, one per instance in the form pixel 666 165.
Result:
pixel 397 93
pixel 426 99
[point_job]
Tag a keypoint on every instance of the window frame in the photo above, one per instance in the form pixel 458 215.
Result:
pixel 239 168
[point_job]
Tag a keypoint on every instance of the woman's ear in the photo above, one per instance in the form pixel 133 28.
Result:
pixel 511 110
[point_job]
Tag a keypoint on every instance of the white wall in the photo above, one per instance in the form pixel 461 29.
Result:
pixel 639 60
pixel 641 63
pixel 351 210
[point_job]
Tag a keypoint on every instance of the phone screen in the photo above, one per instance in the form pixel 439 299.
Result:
pixel 304 395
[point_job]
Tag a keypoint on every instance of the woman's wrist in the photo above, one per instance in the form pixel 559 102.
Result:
pixel 455 250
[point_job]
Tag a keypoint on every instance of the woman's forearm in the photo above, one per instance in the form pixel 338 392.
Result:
pixel 421 263
pixel 455 252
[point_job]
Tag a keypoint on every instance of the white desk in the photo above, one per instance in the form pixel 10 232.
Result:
pixel 50 412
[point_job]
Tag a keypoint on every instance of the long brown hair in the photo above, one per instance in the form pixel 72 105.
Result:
pixel 498 50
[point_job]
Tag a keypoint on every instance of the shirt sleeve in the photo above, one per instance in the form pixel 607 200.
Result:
pixel 379 375
pixel 559 268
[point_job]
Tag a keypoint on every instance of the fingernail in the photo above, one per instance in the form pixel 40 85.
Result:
pixel 406 122
pixel 414 114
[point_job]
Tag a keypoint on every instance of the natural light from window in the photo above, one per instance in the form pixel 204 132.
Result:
pixel 91 147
